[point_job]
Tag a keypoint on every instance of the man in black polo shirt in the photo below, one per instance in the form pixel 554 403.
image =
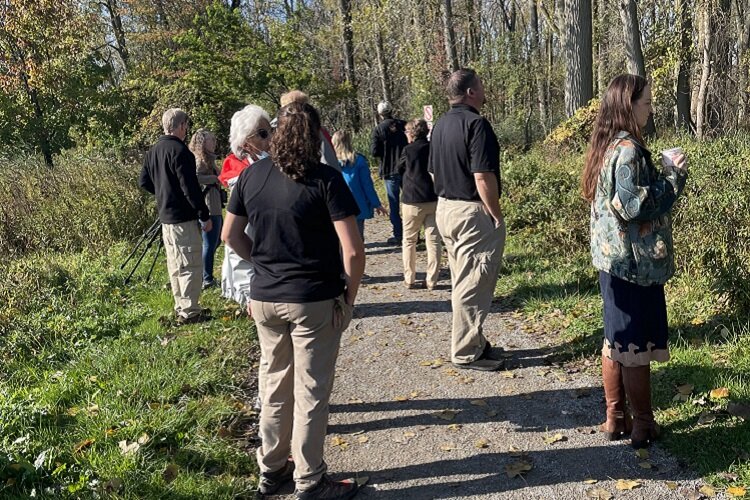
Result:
pixel 388 139
pixel 169 173
pixel 465 163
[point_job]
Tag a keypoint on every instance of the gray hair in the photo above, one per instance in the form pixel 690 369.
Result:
pixel 384 108
pixel 244 122
pixel 172 119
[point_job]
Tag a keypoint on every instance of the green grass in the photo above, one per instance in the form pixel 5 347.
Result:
pixel 87 365
pixel 558 298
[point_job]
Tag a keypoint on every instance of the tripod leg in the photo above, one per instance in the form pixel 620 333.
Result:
pixel 156 256
pixel 146 235
pixel 143 254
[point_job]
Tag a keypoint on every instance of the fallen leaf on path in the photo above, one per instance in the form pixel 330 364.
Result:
pixel 518 468
pixel 482 443
pixel 707 490
pixel 590 481
pixel 455 427
pixel 671 485
pixel 446 414
pixel 586 430
pixel 516 452
pixel 362 439
pixel 509 374
pixel 598 494
pixel 720 393
pixel 739 410
pixel 626 484
pixel 83 445
pixel 170 473
pixel 338 441
pixel 478 402
pixel 409 434
pixel 355 401
pixel 736 491
pixel 491 413
pixel 448 447
pixel 401 398
pixel 645 465
pixel 554 438
pixel 642 453
pixel 466 380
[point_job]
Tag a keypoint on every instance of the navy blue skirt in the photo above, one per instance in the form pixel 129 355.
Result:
pixel 635 321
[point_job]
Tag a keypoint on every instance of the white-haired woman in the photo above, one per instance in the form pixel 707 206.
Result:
pixel 249 139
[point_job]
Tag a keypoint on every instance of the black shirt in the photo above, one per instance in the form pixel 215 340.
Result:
pixel 295 246
pixel 416 182
pixel 169 173
pixel 463 143
pixel 388 139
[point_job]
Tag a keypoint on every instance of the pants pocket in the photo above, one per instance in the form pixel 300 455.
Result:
pixel 190 255
pixel 342 314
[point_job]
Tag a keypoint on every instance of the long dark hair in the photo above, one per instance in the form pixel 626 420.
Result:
pixel 615 114
pixel 295 146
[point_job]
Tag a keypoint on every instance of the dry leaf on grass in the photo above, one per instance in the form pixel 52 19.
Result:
pixel 170 473
pixel 706 418
pixel 127 448
pixel 720 393
pixel 685 389
pixel 518 468
pixel 627 484
pixel 83 445
pixel 598 494
pixel 736 491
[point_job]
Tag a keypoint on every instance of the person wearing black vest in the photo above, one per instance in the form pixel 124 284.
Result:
pixel 420 204
pixel 388 139
pixel 169 173
pixel 465 163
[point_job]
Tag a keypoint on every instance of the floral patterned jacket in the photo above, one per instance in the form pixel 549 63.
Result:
pixel 631 225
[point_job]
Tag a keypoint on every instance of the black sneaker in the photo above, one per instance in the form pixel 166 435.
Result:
pixel 209 284
pixel 326 489
pixel 271 482
pixel 482 365
pixel 394 241
pixel 494 353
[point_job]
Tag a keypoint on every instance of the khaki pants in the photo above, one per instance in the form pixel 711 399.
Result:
pixel 300 343
pixel 475 249
pixel 183 245
pixel 416 215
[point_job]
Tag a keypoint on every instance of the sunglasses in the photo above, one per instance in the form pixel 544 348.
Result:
pixel 262 133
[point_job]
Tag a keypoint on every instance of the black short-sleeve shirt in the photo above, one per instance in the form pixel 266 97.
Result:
pixel 463 143
pixel 295 250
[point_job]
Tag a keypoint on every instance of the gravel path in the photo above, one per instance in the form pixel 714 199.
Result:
pixel 421 429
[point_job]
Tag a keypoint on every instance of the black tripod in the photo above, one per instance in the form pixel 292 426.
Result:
pixel 151 235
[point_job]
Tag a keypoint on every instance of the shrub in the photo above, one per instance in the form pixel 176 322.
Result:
pixel 88 200
pixel 573 134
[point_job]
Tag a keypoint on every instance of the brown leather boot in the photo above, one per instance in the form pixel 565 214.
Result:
pixel 637 381
pixel 618 421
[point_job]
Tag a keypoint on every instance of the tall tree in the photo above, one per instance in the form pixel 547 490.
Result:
pixel 449 34
pixel 683 76
pixel 706 47
pixel 345 7
pixel 633 48
pixel 579 78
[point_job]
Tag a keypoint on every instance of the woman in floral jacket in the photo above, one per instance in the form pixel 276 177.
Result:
pixel 631 246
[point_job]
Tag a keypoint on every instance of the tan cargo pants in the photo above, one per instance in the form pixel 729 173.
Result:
pixel 416 215
pixel 182 244
pixel 300 343
pixel 475 249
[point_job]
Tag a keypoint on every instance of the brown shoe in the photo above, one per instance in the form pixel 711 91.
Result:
pixel 618 420
pixel 637 380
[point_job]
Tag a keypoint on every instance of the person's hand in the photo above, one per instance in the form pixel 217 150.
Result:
pixel 381 211
pixel 207 226
pixel 349 296
pixel 249 311
pixel 680 162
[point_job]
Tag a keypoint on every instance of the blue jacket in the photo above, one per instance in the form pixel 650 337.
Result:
pixel 357 177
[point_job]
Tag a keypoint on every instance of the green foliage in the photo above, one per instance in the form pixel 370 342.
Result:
pixel 88 201
pixel 573 134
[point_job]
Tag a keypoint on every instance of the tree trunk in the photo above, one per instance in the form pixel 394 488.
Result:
pixel 382 65
pixel 743 28
pixel 449 35
pixel 633 49
pixel 115 21
pixel 351 77
pixel 706 46
pixel 474 18
pixel 537 63
pixel 683 76
pixel 579 85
